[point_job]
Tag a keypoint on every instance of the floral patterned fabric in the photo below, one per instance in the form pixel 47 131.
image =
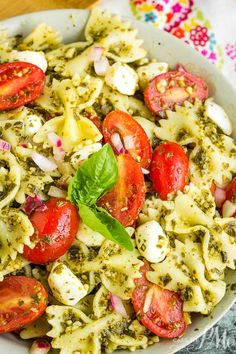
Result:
pixel 209 26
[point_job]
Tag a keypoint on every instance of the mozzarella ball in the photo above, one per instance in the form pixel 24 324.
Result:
pixel 152 242
pixel 65 286
pixel 218 116
pixel 123 78
pixel 30 56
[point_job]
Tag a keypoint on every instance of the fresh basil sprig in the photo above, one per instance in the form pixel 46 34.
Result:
pixel 94 178
pixel 99 220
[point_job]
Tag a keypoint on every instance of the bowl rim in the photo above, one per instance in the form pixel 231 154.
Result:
pixel 206 63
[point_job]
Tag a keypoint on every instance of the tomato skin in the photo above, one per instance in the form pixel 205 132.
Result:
pixel 231 192
pixel 165 316
pixel 169 169
pixel 55 230
pixel 175 90
pixel 125 200
pixel 22 300
pixel 125 125
pixel 20 84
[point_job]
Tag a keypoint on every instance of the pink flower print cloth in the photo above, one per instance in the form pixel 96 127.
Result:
pixel 209 26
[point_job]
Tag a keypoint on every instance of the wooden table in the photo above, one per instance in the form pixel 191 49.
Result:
pixel 9 8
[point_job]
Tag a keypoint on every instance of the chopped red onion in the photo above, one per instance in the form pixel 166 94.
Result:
pixel 117 305
pixel 57 192
pixel 96 53
pixel 180 67
pixel 228 209
pixel 43 162
pixel 117 143
pixel 129 142
pixel 54 139
pixel 145 172
pixel 32 204
pixel 220 196
pixel 40 346
pixel 56 142
pixel 148 300
pixel 4 145
pixel 24 145
pixel 101 66
pixel 58 153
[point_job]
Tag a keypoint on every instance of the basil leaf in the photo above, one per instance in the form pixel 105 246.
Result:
pixel 94 177
pixel 99 220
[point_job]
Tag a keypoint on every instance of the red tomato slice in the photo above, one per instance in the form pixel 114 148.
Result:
pixel 22 300
pixel 132 135
pixel 55 230
pixel 165 316
pixel 172 88
pixel 20 83
pixel 125 200
pixel 231 192
pixel 169 169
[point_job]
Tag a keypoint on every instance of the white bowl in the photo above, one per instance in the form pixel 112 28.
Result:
pixel 166 48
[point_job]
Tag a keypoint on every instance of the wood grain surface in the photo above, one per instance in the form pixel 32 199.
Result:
pixel 9 8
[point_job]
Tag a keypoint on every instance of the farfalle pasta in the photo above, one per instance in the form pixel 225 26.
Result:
pixel 64 153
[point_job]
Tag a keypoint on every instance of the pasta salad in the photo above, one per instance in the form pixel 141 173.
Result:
pixel 117 192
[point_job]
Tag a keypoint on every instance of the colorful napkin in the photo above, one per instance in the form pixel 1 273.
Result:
pixel 209 26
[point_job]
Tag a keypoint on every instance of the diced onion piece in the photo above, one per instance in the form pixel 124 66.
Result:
pixel 148 300
pixel 180 67
pixel 58 153
pixel 4 145
pixel 33 203
pixel 117 143
pixel 145 172
pixel 43 162
pixel 96 53
pixel 218 115
pixel 220 196
pixel 117 305
pixel 129 142
pixel 57 192
pixel 54 139
pixel 101 66
pixel 40 346
pixel 228 209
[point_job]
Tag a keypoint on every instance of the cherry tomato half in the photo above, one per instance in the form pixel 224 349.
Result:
pixel 22 300
pixel 55 229
pixel 169 169
pixel 174 87
pixel 165 316
pixel 231 192
pixel 132 135
pixel 125 200
pixel 20 83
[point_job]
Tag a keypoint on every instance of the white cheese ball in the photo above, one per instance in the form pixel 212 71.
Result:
pixel 65 286
pixel 32 124
pixel 89 237
pixel 123 78
pixel 218 116
pixel 30 56
pixel 152 242
pixel 147 72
